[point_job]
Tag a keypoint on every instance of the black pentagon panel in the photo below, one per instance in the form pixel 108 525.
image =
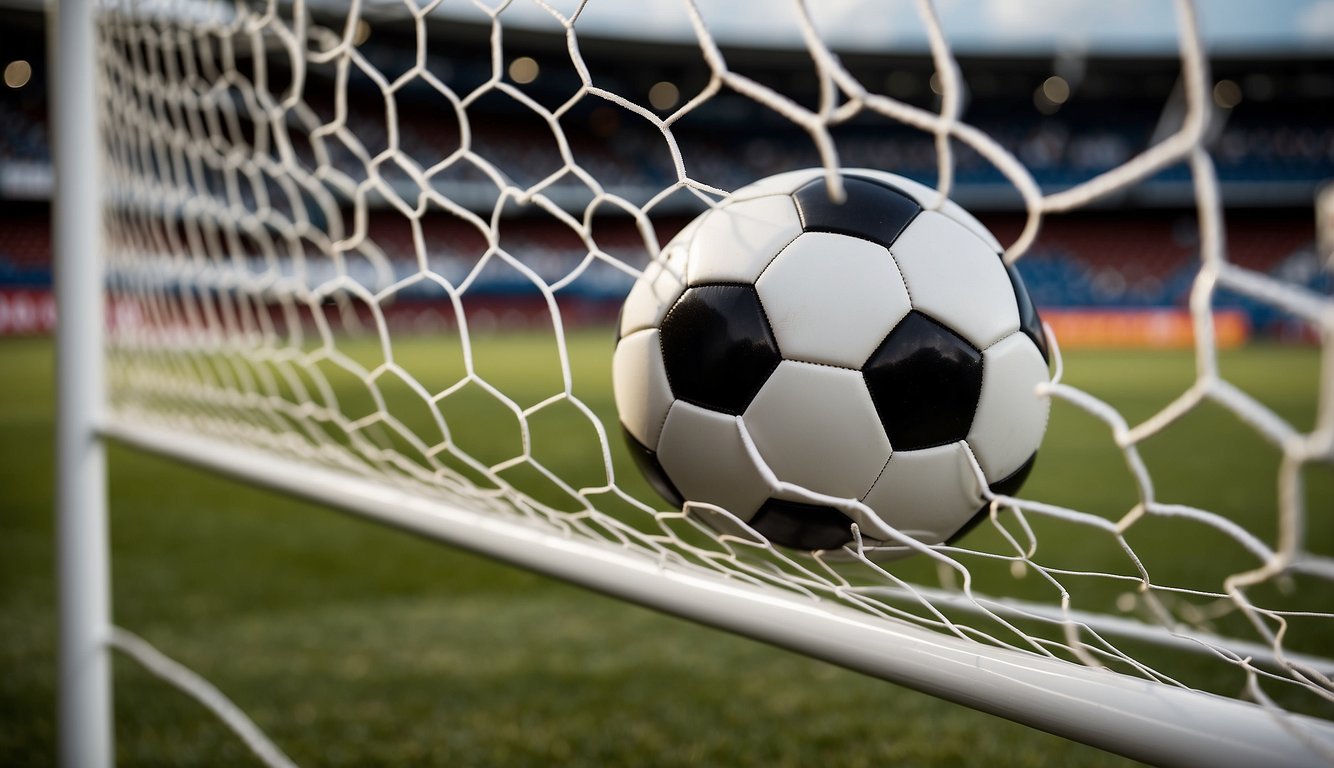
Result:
pixel 717 347
pixel 648 463
pixel 925 381
pixel 1006 486
pixel 872 211
pixel 1029 322
pixel 802 526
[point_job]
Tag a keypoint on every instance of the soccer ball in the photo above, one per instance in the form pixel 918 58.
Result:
pixel 789 356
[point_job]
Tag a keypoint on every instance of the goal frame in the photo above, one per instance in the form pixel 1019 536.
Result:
pixel 1138 718
pixel 83 553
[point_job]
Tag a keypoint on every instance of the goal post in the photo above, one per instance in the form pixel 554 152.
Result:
pixel 1324 222
pixel 84 714
pixel 336 252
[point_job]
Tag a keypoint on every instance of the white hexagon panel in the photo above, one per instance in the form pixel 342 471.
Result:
pixel 639 384
pixel 929 494
pixel 816 426
pixel 702 450
pixel 734 244
pixel 778 184
pixel 662 283
pixel 957 279
pixel 832 298
pixel 1011 416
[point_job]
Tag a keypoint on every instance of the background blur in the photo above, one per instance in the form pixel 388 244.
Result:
pixel 1118 274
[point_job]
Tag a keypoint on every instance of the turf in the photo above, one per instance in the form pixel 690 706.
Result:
pixel 356 645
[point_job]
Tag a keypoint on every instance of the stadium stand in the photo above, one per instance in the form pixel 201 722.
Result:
pixel 1271 152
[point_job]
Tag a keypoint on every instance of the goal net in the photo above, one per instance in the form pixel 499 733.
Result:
pixel 373 255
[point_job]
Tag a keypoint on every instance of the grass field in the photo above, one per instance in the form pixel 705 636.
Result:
pixel 355 645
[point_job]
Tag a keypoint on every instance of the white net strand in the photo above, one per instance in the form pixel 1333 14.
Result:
pixel 202 691
pixel 277 201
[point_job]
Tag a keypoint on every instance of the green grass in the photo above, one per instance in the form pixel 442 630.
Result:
pixel 357 645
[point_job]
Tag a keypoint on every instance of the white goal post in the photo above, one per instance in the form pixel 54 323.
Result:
pixel 82 544
pixel 236 236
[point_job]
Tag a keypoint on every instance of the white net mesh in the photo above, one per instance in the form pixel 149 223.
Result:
pixel 380 259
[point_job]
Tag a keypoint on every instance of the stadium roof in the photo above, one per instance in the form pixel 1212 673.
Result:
pixel 1231 28
pixel 1025 27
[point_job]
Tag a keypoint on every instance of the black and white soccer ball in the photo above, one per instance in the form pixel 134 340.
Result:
pixel 868 350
